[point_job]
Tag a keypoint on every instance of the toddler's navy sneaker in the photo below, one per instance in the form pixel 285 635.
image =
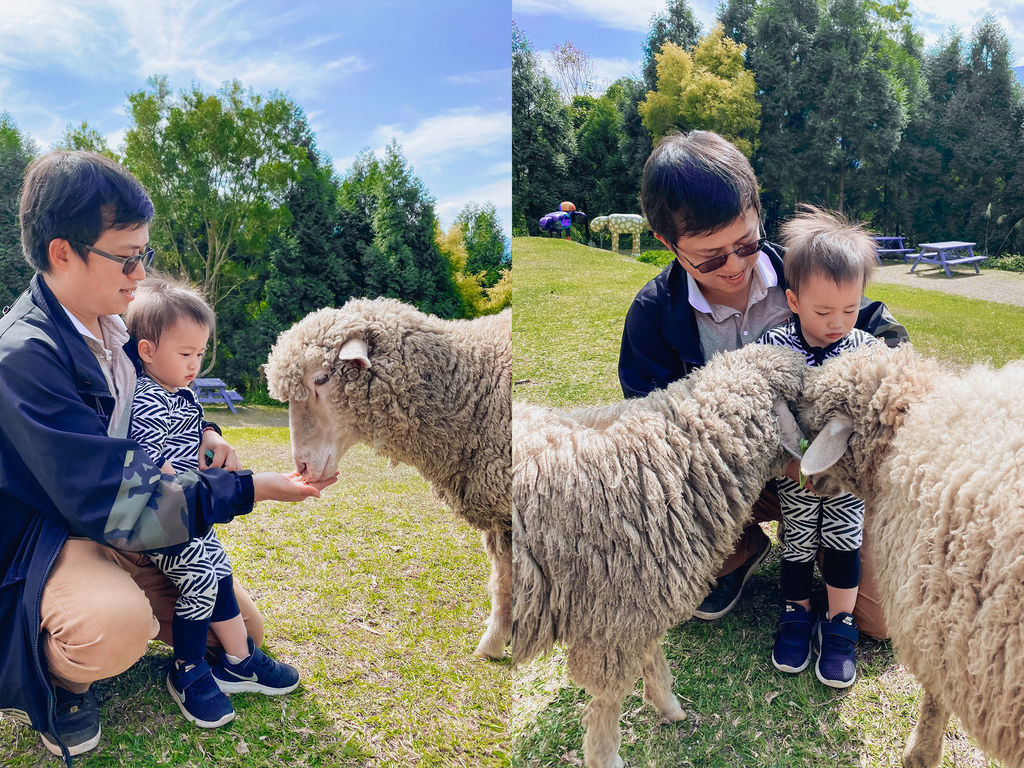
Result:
pixel 792 651
pixel 258 673
pixel 196 693
pixel 836 666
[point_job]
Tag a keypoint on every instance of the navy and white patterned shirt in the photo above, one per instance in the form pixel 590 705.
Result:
pixel 169 425
pixel 789 335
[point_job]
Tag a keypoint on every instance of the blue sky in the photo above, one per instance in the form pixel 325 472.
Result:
pixel 435 75
pixel 613 31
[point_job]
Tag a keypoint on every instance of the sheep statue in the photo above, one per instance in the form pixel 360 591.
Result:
pixel 624 513
pixel 436 394
pixel 939 460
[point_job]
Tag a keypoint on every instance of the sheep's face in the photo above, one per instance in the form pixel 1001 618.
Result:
pixel 321 367
pixel 852 406
pixel 321 432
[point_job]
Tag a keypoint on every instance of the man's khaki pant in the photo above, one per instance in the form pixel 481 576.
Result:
pixel 101 608
pixel 868 610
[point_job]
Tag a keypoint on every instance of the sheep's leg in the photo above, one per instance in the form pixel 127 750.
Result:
pixel 658 685
pixel 924 748
pixel 498 545
pixel 608 677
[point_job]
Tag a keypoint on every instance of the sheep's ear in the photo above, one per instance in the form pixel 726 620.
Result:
pixel 355 351
pixel 828 447
pixel 789 430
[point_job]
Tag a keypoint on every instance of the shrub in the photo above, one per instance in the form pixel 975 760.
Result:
pixel 660 258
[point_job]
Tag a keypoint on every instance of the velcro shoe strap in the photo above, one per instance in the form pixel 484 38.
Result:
pixel 185 678
pixel 838 628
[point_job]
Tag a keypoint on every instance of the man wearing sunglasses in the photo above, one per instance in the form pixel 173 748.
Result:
pixel 724 289
pixel 80 502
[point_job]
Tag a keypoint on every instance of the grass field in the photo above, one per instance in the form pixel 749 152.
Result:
pixel 570 302
pixel 376 593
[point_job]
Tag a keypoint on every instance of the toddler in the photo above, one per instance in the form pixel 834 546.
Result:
pixel 827 264
pixel 172 325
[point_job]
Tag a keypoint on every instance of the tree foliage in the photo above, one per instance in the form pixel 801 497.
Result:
pixel 709 88
pixel 676 25
pixel 217 167
pixel 542 140
pixel 16 151
pixel 574 71
pixel 486 249
pixel 476 296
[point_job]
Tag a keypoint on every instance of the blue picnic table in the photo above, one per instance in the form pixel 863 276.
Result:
pixel 946 253
pixel 891 245
pixel 215 391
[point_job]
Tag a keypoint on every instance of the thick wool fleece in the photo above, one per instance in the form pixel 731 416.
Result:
pixel 623 515
pixel 939 461
pixel 437 394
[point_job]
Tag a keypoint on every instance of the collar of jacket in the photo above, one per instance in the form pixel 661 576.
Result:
pixel 84 366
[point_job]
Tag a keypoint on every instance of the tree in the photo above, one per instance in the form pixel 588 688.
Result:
pixel 16 151
pixel 782 32
pixel 734 16
pixel 709 89
pixel 484 241
pixel 217 167
pixel 858 112
pixel 677 25
pixel 386 221
pixel 635 142
pixel 574 71
pixel 477 299
pixel 542 140
pixel 598 165
pixel 85 137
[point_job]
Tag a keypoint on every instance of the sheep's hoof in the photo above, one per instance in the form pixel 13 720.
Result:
pixel 491 648
pixel 915 757
pixel 677 715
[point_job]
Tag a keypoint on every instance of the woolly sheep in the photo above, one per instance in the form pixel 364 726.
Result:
pixel 432 393
pixel 623 515
pixel 939 460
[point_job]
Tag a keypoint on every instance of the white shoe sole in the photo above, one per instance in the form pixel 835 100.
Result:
pixel 78 749
pixel 192 718
pixel 246 686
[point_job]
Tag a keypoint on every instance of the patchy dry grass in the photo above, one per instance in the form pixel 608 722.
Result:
pixel 376 593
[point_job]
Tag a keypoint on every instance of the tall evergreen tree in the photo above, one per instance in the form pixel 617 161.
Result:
pixel 484 241
pixel 734 16
pixel 858 112
pixel 782 32
pixel 542 140
pixel 676 25
pixel 15 153
pixel 598 165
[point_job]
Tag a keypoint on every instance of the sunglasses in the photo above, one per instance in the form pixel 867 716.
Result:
pixel 717 262
pixel 128 263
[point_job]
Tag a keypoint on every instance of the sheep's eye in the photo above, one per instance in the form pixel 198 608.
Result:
pixel 321 379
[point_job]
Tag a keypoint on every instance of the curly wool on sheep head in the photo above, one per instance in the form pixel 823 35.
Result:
pixel 332 368
pixel 852 406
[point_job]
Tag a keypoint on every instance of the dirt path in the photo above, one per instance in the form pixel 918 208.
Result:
pixel 990 285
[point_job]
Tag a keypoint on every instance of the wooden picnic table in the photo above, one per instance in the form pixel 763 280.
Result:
pixel 215 391
pixel 946 253
pixel 891 245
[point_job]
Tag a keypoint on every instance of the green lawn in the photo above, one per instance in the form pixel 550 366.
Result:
pixel 376 593
pixel 570 302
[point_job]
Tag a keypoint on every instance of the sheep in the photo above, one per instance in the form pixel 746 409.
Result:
pixel 939 460
pixel 624 513
pixel 432 393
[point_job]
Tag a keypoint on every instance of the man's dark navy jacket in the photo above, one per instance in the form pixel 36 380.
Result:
pixel 61 476
pixel 661 343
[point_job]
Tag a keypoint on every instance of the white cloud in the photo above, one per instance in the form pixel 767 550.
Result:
pixel 456 132
pixel 631 15
pixel 483 76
